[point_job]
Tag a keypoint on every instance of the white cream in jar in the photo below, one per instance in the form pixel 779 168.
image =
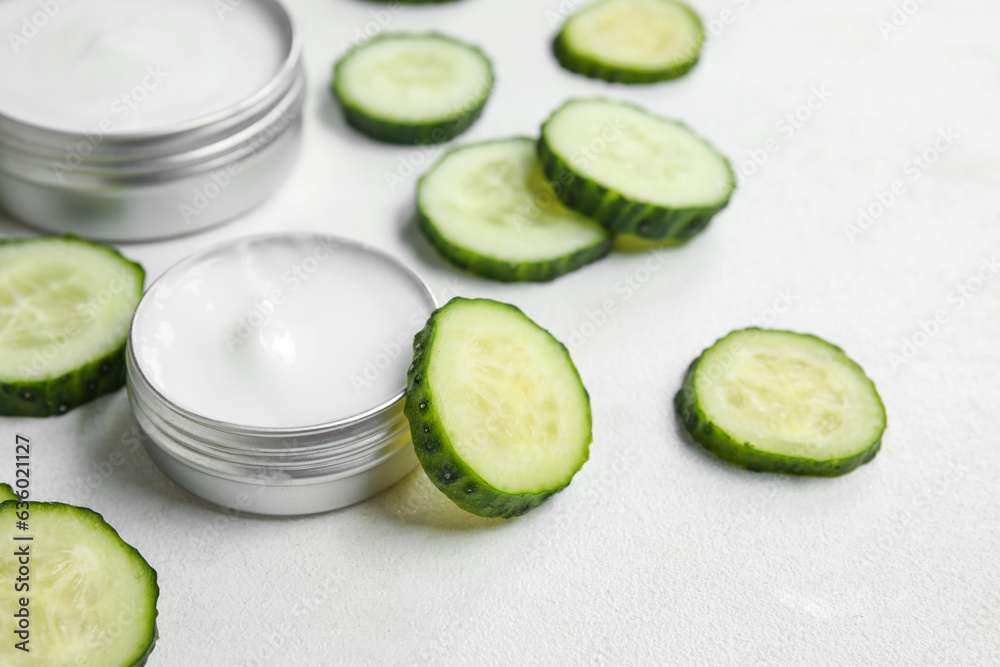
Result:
pixel 127 66
pixel 280 331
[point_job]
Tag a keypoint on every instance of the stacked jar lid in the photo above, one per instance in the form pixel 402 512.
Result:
pixel 138 120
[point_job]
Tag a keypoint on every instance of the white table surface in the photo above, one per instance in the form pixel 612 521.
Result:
pixel 657 553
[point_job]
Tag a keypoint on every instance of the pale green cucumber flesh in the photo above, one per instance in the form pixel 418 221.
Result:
pixel 7 493
pixel 499 416
pixel 633 171
pixel 780 401
pixel 65 310
pixel 488 208
pixel 630 243
pixel 91 597
pixel 631 41
pixel 413 88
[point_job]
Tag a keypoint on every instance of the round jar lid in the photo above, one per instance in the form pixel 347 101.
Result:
pixel 105 68
pixel 283 331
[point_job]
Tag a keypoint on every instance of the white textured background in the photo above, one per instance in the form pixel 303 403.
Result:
pixel 657 553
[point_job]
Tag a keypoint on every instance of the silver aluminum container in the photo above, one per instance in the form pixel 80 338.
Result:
pixel 277 471
pixel 162 181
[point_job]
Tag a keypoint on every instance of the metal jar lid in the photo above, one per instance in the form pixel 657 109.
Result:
pixel 138 119
pixel 284 470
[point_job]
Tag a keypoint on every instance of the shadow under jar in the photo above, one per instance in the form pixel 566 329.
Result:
pixel 133 120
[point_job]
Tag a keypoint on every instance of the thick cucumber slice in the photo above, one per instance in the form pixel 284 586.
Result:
pixel 413 89
pixel 779 401
pixel 635 172
pixel 7 493
pixel 91 597
pixel 65 310
pixel 488 207
pixel 631 41
pixel 499 416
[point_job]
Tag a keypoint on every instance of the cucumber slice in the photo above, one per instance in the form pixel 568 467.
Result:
pixel 91 597
pixel 7 493
pixel 413 89
pixel 499 416
pixel 487 207
pixel 635 172
pixel 631 41
pixel 779 401
pixel 65 310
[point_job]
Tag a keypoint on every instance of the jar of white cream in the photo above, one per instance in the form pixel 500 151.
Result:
pixel 125 120
pixel 268 372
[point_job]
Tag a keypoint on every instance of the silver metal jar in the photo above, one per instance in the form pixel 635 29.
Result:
pixel 273 471
pixel 264 470
pixel 101 178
